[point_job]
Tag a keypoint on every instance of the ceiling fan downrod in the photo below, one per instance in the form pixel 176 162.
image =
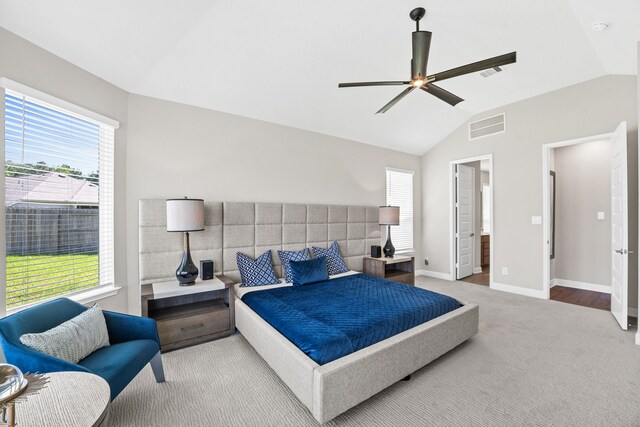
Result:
pixel 417 14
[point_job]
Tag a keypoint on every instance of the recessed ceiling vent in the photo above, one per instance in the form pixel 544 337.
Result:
pixel 490 72
pixel 486 127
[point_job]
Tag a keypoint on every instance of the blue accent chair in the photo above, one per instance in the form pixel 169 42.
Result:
pixel 134 343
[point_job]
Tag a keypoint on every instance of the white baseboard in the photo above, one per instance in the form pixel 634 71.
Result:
pixel 434 274
pixel 638 338
pixel 581 285
pixel 519 290
pixel 477 270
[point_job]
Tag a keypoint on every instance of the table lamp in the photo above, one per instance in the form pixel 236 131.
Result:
pixel 389 215
pixel 185 215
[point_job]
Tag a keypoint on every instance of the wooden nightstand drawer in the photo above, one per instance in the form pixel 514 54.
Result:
pixel 183 323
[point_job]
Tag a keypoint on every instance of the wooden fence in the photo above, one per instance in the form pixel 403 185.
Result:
pixel 59 230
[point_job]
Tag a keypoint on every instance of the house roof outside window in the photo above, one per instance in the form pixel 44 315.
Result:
pixel 50 188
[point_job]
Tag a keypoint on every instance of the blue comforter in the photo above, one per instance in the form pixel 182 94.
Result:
pixel 333 318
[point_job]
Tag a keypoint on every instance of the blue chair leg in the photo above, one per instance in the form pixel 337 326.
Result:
pixel 156 366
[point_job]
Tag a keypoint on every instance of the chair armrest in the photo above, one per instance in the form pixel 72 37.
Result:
pixel 125 327
pixel 33 361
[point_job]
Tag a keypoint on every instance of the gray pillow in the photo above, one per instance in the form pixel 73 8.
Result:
pixel 74 339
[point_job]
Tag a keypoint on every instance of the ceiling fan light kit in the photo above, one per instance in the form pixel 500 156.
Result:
pixel 420 45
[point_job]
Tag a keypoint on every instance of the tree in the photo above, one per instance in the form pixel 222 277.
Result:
pixel 13 170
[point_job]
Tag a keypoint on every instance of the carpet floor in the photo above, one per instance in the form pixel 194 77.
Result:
pixel 533 363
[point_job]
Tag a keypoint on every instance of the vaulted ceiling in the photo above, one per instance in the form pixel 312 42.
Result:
pixel 281 60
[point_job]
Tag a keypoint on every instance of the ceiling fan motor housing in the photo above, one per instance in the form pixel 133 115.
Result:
pixel 421 42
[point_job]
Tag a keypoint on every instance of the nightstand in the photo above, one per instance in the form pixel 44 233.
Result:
pixel 397 269
pixel 189 315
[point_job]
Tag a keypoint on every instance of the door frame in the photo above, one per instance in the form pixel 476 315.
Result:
pixel 546 206
pixel 452 213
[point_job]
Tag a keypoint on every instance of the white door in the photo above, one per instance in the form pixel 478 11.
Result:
pixel 619 227
pixel 465 211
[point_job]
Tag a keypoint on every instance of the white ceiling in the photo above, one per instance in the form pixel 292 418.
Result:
pixel 281 61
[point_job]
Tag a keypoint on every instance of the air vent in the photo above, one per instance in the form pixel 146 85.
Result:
pixel 490 72
pixel 486 127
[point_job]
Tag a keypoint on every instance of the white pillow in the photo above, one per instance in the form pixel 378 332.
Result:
pixel 74 339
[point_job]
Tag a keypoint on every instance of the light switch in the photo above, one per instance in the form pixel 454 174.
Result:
pixel 600 216
pixel 536 220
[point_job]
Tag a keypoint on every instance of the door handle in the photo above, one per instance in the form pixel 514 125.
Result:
pixel 623 251
pixel 472 234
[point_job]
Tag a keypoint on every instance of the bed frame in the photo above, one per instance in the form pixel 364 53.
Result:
pixel 331 389
pixel 252 228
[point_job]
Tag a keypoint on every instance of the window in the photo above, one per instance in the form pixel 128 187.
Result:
pixel 400 193
pixel 58 169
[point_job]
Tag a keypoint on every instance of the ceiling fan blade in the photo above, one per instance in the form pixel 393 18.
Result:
pixel 395 100
pixel 359 84
pixel 420 44
pixel 497 61
pixel 443 94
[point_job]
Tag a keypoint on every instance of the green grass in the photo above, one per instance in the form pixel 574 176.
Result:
pixel 33 278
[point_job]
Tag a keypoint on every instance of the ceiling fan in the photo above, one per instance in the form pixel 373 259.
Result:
pixel 420 43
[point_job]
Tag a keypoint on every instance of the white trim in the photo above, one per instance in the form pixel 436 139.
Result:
pixel 535 293
pixel 452 213
pixel 638 338
pixel 84 297
pixel 434 274
pixel 477 270
pixel 388 168
pixel 57 102
pixel 546 206
pixel 581 285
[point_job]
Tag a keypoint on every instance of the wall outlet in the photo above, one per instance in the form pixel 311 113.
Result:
pixel 536 220
pixel 600 216
pixel 505 271
pixel 426 261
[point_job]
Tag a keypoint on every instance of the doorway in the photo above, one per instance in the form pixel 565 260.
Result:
pixel 580 221
pixel 471 224
pixel 585 217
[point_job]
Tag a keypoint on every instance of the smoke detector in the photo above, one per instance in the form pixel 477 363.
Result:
pixel 600 26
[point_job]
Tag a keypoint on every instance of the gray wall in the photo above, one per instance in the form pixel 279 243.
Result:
pixel 33 66
pixel 176 150
pixel 583 187
pixel 590 108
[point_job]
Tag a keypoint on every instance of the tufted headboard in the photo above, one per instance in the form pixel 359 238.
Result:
pixel 252 228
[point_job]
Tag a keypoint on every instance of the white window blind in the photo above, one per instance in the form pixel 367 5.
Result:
pixel 59 201
pixel 400 193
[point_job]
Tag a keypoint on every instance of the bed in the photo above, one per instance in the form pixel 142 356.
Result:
pixel 326 389
pixel 331 384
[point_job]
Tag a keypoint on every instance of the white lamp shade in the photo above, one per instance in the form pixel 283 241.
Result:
pixel 389 215
pixel 185 214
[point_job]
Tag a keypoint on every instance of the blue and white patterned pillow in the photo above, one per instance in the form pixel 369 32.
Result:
pixel 335 263
pixel 257 272
pixel 286 256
